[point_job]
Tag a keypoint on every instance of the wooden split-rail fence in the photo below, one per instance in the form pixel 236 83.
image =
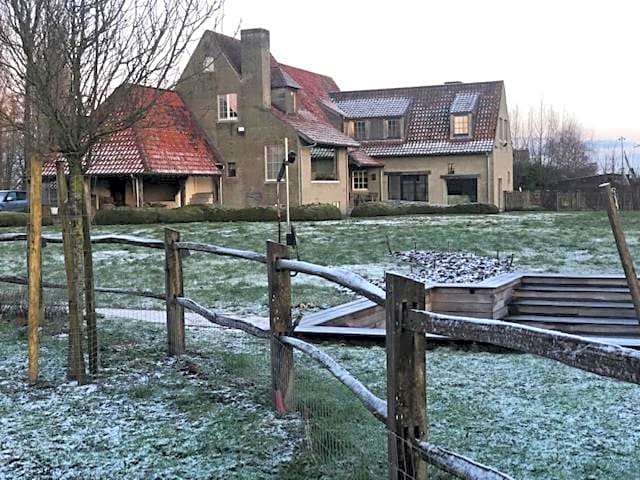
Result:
pixel 407 321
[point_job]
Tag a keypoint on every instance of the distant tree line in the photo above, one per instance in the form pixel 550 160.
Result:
pixel 548 146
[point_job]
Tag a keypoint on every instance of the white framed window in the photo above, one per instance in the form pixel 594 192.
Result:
pixel 461 125
pixel 360 180
pixel 392 128
pixel 232 169
pixel 324 164
pixel 360 129
pixel 273 157
pixel 228 107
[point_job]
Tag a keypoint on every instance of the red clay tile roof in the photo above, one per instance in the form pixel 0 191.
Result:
pixel 428 117
pixel 165 141
pixel 311 119
pixel 362 160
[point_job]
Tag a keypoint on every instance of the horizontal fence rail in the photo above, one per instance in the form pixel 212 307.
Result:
pixel 97 239
pixel 223 320
pixel 350 280
pixel 222 251
pixel 600 358
pixel 118 291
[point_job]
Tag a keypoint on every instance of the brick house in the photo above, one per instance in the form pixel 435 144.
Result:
pixel 220 138
pixel 443 144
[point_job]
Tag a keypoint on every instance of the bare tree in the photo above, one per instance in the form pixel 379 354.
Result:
pixel 66 58
pixel 556 147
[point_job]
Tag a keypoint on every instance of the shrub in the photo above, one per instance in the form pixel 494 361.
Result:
pixel 19 219
pixel 381 209
pixel 315 212
pixel 181 215
pixel 127 215
pixel 209 213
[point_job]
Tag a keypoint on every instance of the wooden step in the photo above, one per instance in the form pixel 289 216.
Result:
pixel 580 325
pixel 574 293
pixel 577 280
pixel 570 320
pixel 572 308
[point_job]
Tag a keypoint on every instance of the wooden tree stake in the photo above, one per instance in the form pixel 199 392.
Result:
pixel 406 379
pixel 281 324
pixel 35 266
pixel 623 248
pixel 174 288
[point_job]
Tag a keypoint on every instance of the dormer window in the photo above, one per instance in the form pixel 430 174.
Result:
pixel 393 128
pixel 284 99
pixel 461 125
pixel 228 107
pixel 360 129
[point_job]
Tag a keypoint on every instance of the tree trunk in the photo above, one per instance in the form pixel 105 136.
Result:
pixel 74 260
pixel 89 290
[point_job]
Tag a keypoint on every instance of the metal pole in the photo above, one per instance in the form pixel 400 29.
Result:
pixel 622 139
pixel 278 211
pixel 286 170
pixel 623 248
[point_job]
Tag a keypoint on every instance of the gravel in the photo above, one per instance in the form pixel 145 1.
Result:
pixel 432 266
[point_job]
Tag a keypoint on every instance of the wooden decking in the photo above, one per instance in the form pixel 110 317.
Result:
pixel 594 306
pixel 597 307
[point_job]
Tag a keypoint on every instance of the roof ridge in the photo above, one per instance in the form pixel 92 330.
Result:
pixel 417 87
pixel 213 32
pixel 307 71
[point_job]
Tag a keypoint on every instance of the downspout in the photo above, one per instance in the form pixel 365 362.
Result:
pixel 489 179
pixel 310 146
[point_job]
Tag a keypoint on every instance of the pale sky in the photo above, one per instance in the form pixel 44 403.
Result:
pixel 580 56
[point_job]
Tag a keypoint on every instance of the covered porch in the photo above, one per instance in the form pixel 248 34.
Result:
pixel 154 190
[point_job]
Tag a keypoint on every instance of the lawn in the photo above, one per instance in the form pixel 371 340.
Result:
pixel 551 242
pixel 208 415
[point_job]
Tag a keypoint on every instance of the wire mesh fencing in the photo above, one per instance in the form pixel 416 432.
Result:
pixel 339 438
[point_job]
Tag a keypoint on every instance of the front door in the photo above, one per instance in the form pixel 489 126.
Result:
pixel 412 188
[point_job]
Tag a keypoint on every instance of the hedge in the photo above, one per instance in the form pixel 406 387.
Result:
pixel 19 219
pixel 206 213
pixel 383 209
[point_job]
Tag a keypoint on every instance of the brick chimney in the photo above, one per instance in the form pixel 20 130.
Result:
pixel 256 68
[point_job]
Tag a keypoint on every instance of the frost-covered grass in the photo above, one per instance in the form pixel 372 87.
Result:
pixel 147 416
pixel 529 417
pixel 208 415
pixel 551 242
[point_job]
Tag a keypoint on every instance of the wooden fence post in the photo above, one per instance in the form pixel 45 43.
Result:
pixel 280 324
pixel 623 248
pixel 406 379
pixel 35 266
pixel 174 288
